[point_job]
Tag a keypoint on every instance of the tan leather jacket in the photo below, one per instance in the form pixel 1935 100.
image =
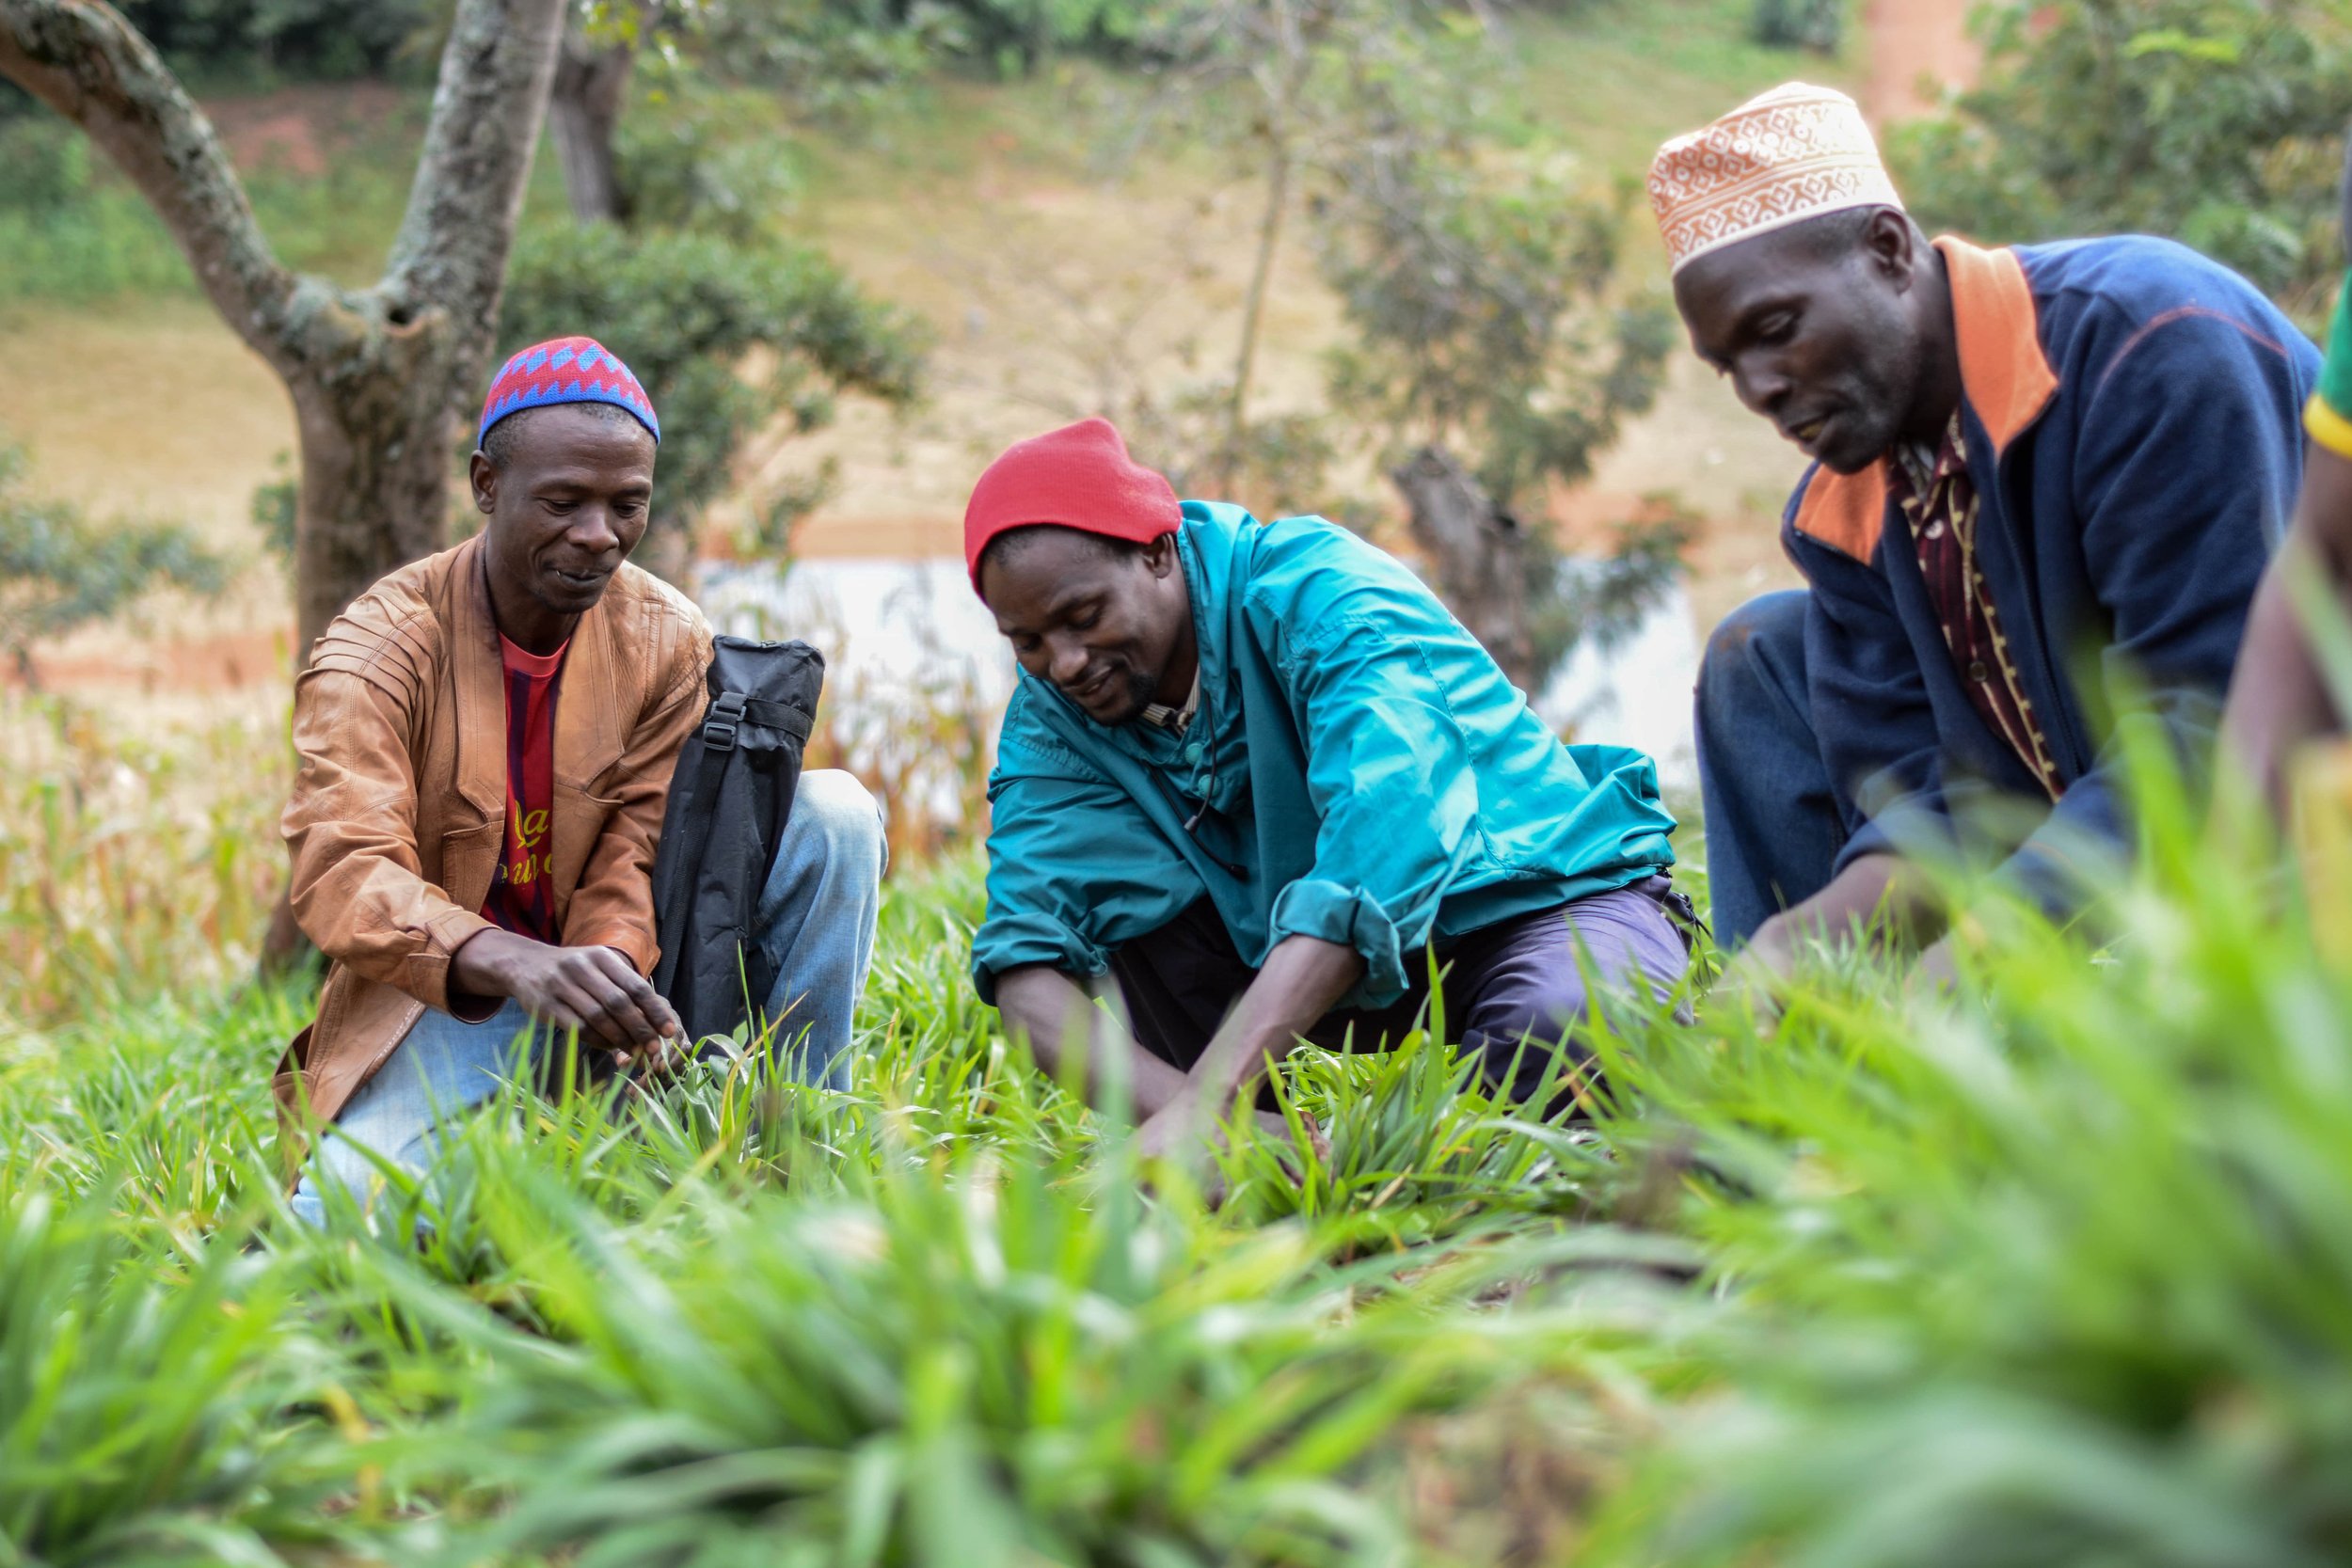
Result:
pixel 399 808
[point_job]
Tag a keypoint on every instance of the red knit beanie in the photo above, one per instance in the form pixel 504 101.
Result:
pixel 1079 476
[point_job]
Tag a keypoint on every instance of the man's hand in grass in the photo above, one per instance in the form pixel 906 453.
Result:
pixel 594 989
pixel 1755 974
pixel 1185 1133
pixel 1873 899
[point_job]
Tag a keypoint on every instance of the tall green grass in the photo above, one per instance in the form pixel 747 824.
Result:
pixel 2050 1270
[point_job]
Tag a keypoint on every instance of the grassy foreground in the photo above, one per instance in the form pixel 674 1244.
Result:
pixel 2057 1271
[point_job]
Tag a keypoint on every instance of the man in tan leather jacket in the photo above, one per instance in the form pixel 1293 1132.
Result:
pixel 487 738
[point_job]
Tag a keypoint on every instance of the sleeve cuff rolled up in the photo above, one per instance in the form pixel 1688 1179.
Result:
pixel 1331 911
pixel 426 974
pixel 1019 941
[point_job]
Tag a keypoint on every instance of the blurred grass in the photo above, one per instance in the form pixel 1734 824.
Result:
pixel 131 864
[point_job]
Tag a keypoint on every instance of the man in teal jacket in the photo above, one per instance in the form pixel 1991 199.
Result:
pixel 1256 772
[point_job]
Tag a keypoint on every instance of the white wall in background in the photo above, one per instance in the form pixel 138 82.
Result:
pixel 1636 694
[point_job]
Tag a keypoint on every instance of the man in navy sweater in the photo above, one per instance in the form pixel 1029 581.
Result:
pixel 2045 481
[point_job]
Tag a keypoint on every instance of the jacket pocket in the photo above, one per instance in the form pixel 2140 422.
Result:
pixel 469 858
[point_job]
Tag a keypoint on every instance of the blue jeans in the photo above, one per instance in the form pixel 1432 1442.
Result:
pixel 817 918
pixel 1774 821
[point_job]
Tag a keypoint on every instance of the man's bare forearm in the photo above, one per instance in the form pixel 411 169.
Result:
pixel 1872 887
pixel 1045 1006
pixel 1304 978
pixel 2278 699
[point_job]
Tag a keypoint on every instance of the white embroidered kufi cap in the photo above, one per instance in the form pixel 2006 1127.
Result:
pixel 1794 154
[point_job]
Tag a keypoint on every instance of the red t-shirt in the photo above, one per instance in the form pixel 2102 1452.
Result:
pixel 519 896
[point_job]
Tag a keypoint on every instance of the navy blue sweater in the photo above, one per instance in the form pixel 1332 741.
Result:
pixel 2131 414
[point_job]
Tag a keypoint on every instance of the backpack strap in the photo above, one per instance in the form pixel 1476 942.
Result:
pixel 679 873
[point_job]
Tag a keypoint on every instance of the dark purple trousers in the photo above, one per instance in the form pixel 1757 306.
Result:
pixel 1515 992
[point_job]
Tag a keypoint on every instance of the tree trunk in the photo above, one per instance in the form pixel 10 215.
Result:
pixel 584 111
pixel 377 434
pixel 377 375
pixel 1480 553
pixel 1280 132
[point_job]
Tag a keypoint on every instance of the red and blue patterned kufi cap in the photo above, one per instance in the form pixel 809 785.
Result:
pixel 566 370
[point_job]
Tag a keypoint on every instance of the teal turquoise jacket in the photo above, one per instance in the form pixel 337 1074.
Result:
pixel 1358 770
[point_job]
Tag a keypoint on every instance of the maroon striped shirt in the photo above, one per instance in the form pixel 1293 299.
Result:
pixel 1939 503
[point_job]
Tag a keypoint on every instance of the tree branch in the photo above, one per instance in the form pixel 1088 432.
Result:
pixel 86 62
pixel 451 253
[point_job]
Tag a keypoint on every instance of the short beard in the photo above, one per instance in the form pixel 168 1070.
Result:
pixel 1884 400
pixel 1143 690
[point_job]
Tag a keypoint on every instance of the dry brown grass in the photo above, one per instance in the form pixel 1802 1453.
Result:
pixel 136 857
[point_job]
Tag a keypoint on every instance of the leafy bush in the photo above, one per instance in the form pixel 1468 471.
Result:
pixel 726 337
pixel 1014 36
pixel 1816 24
pixel 2220 125
pixel 307 39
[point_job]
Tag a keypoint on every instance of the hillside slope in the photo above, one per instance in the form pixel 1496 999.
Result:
pixel 1052 275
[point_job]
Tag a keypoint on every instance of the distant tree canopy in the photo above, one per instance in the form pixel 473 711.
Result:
pixel 726 336
pixel 2217 122
pixel 1816 24
pixel 678 172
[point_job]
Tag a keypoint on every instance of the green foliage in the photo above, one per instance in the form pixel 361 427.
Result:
pixel 702 158
pixel 1480 281
pixel 58 570
pixel 72 229
pixel 65 230
pixel 130 862
pixel 293 38
pixel 2217 124
pixel 829 58
pixel 726 336
pixel 2050 1271
pixel 1014 36
pixel 143 1406
pixel 44 165
pixel 1816 24
pixel 1475 264
pixel 1482 319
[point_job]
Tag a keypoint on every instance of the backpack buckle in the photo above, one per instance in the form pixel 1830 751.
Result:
pixel 725 717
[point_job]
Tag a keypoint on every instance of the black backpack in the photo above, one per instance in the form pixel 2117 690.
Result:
pixel 729 801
